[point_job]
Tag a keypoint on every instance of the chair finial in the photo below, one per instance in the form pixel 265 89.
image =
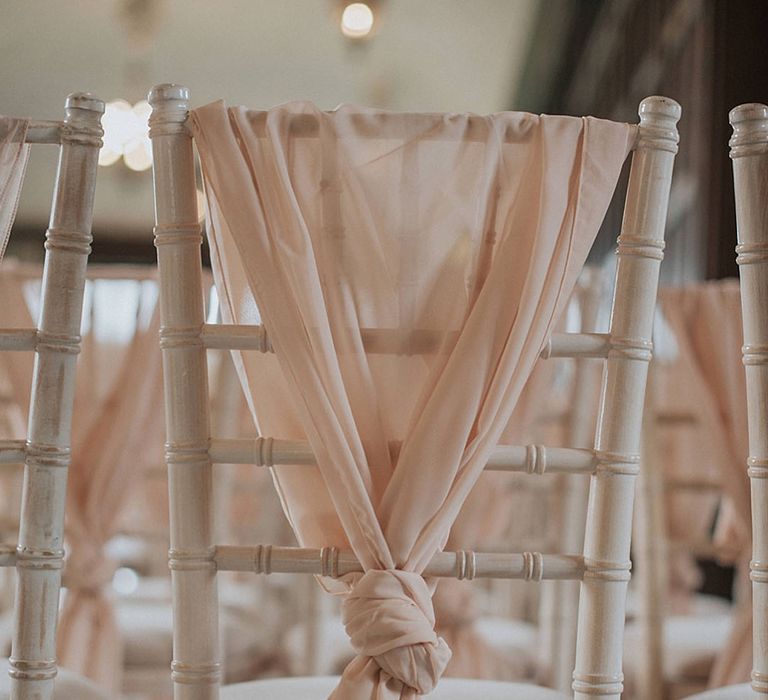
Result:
pixel 82 121
pixel 170 107
pixel 167 92
pixel 85 101
pixel 750 130
pixel 658 123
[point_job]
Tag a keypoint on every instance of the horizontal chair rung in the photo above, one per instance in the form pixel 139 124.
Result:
pixel 385 341
pixel 674 418
pixel 12 451
pixel 531 459
pixel 42 131
pixel 692 485
pixel 595 345
pixel 329 561
pixel 701 549
pixel 7 555
pixel 18 338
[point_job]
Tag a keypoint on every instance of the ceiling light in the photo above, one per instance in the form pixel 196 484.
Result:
pixel 356 20
pixel 126 135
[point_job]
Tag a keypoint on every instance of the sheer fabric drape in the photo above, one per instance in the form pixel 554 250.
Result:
pixel 118 404
pixel 14 152
pixel 466 231
pixel 487 515
pixel 706 322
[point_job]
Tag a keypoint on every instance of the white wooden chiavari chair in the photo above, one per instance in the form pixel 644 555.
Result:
pixel 749 151
pixel 613 464
pixel 38 556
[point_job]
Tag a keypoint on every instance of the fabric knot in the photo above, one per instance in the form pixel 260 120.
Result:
pixel 388 616
pixel 88 571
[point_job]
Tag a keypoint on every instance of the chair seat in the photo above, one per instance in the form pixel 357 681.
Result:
pixel 731 692
pixel 147 629
pixel 691 643
pixel 319 688
pixel 507 636
pixel 69 686
pixel 513 638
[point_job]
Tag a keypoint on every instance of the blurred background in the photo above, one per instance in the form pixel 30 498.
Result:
pixel 580 57
pixel 598 57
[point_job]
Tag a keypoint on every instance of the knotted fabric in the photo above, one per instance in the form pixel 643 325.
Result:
pixel 388 615
pixel 408 269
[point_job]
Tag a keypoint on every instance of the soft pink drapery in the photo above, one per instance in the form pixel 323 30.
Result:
pixel 706 321
pixel 488 513
pixel 689 442
pixel 110 431
pixel 473 228
pixel 14 152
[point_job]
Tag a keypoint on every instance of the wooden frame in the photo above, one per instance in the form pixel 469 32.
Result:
pixel 561 604
pixel 38 556
pixel 749 151
pixel 190 451
pixel 602 599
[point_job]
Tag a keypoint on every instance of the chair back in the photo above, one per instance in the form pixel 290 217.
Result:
pixel 604 565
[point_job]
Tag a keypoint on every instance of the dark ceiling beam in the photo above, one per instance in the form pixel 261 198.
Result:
pixel 560 31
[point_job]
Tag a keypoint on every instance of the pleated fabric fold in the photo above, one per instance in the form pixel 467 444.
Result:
pixel 14 153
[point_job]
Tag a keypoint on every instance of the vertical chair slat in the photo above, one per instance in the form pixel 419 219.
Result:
pixel 565 594
pixel 650 552
pixel 749 151
pixel 609 518
pixel 40 548
pixel 196 663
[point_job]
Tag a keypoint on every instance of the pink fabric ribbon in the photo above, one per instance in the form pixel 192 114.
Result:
pixel 389 618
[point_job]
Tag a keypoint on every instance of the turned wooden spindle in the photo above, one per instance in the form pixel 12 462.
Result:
pixel 196 667
pixel 749 151
pixel 609 518
pixel 40 552
pixel 563 603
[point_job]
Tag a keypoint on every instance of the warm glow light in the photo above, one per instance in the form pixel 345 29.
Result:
pixel 357 20
pixel 126 135
pixel 138 154
pixel 125 581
